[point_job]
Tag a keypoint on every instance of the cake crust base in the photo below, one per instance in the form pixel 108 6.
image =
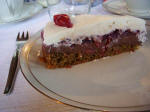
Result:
pixel 90 49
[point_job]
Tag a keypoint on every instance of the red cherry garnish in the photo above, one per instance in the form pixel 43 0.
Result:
pixel 63 20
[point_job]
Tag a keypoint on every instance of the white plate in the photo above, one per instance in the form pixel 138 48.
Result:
pixel 28 11
pixel 120 7
pixel 118 83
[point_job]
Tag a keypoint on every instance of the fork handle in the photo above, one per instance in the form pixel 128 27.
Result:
pixel 12 72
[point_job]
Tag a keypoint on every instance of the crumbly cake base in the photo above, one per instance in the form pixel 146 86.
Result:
pixel 91 48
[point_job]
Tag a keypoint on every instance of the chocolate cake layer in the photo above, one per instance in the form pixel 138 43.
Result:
pixel 91 48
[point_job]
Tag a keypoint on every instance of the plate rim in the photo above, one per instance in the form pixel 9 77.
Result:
pixel 105 5
pixel 64 100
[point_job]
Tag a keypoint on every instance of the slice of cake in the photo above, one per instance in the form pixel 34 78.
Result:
pixel 88 37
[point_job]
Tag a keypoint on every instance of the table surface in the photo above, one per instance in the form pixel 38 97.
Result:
pixel 24 97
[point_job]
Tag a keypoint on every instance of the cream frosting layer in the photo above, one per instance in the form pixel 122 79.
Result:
pixel 88 25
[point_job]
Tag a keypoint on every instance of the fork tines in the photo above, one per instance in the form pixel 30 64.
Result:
pixel 22 36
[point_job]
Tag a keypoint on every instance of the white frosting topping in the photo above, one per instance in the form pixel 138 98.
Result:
pixel 88 25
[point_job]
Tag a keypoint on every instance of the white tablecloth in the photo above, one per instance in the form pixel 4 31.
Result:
pixel 24 98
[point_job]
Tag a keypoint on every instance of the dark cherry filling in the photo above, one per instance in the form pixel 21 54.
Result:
pixel 90 49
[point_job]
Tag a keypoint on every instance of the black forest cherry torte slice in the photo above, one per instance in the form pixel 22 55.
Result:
pixel 68 42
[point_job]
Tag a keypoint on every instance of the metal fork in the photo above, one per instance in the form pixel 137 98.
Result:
pixel 13 70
